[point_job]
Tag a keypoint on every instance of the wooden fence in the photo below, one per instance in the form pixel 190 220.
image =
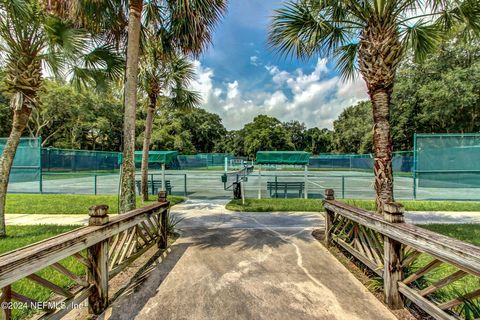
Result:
pixel 103 249
pixel 413 262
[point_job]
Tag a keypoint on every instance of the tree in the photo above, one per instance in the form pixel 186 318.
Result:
pixel 265 133
pixel 31 37
pixel 370 37
pixel 353 129
pixel 127 177
pixel 190 24
pixel 318 140
pixel 187 132
pixel 165 77
pixel 73 118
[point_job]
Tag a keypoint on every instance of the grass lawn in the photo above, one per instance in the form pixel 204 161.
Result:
pixel 67 203
pixel 19 236
pixel 315 205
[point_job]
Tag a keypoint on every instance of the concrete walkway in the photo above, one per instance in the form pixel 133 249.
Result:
pixel 248 266
pixel 415 217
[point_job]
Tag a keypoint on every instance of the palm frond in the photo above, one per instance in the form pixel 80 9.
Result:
pixel 346 58
pixel 422 38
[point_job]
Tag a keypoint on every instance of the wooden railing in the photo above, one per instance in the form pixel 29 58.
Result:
pixel 427 268
pixel 101 250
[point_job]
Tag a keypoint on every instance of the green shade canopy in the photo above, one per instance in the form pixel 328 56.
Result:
pixel 162 157
pixel 283 157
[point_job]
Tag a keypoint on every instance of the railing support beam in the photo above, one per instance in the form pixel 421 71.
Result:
pixel 98 256
pixel 393 271
pixel 329 215
pixel 163 242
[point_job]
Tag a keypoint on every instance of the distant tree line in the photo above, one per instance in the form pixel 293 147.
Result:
pixel 440 95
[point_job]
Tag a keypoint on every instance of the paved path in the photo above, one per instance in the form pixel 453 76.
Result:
pixel 248 266
pixel 416 217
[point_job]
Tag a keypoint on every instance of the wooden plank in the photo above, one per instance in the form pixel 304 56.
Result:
pixel 153 229
pixel 30 302
pixel 377 247
pixel 140 233
pixel 57 266
pixel 410 258
pixel 367 246
pixel 127 245
pixel 359 256
pixel 463 255
pixel 112 246
pixel 118 250
pixel 6 313
pixel 50 285
pixel 376 257
pixel 70 304
pixel 82 260
pixel 424 270
pixel 442 283
pixel 24 261
pixel 455 302
pixel 147 231
pixel 424 303
pixel 120 267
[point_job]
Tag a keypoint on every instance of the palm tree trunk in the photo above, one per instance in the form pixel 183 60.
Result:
pixel 146 145
pixel 382 144
pixel 127 179
pixel 20 120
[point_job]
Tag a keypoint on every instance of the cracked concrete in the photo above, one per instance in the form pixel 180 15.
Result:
pixel 248 266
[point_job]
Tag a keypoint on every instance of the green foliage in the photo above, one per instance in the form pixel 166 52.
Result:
pixel 77 119
pixel 188 132
pixel 353 129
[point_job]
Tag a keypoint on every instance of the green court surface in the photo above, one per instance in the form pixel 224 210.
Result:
pixel 207 184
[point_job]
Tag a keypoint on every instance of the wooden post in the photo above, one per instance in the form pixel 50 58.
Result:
pixel 393 271
pixel 98 256
pixel 6 299
pixel 329 195
pixel 163 242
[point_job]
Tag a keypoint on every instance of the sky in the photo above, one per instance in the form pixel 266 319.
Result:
pixel 239 77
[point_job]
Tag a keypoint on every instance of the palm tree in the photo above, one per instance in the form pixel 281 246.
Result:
pixel 127 178
pixel 31 38
pixel 372 37
pixel 165 76
pixel 190 23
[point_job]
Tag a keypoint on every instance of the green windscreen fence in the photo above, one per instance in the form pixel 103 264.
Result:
pixel 402 161
pixel 447 160
pixel 201 160
pixel 283 157
pixel 27 161
pixel 67 160
pixel 156 157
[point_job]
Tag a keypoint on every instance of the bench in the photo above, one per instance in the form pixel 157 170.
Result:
pixel 154 186
pixel 275 186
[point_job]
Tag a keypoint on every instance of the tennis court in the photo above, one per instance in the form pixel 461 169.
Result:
pixel 203 184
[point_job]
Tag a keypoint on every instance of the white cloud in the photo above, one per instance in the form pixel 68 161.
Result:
pixel 255 61
pixel 313 98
